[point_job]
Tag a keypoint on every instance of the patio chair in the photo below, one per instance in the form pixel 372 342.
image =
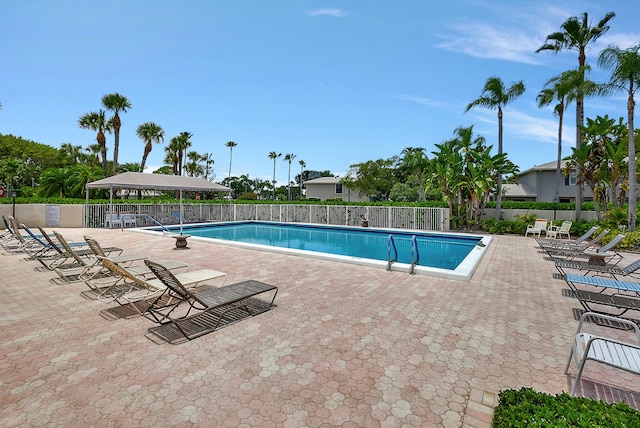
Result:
pixel 98 251
pixel 572 250
pixel 19 243
pixel 111 220
pixel 209 306
pixel 128 219
pixel 555 232
pixel 537 228
pixel 609 351
pixel 598 270
pixel 612 293
pixel 576 242
pixel 134 289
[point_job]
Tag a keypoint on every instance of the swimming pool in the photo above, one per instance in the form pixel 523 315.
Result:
pixel 454 256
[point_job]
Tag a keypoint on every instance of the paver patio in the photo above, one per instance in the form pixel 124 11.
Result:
pixel 345 346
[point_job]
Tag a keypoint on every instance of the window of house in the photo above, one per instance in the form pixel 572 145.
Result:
pixel 571 180
pixel 338 189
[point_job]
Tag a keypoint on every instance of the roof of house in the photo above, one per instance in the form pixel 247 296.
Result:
pixel 324 180
pixel 549 166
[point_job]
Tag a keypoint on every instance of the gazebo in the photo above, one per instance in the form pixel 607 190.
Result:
pixel 142 181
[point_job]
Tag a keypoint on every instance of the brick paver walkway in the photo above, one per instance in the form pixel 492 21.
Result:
pixel 345 346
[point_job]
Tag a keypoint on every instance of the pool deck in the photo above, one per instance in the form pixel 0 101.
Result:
pixel 347 345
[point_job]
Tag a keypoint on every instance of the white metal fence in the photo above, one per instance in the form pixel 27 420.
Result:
pixel 419 218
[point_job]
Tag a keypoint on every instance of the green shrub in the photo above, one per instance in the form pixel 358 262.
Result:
pixel 531 409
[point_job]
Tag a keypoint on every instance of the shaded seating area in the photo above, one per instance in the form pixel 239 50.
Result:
pixel 195 313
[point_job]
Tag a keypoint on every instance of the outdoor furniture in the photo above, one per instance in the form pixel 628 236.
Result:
pixel 560 231
pixel 612 352
pixel 553 243
pixel 580 250
pixel 111 220
pixel 608 269
pixel 209 306
pixel 617 294
pixel 537 228
pixel 128 219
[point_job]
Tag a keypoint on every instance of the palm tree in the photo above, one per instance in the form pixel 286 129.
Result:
pixel 560 89
pixel 97 122
pixel 289 158
pixel 274 156
pixel 576 35
pixel 182 143
pixel 116 103
pixel 54 182
pixel 149 132
pixel 625 75
pixel 494 96
pixel 302 165
pixel 208 166
pixel 171 156
pixel 417 163
pixel 231 145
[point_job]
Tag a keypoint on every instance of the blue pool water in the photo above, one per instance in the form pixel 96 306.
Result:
pixel 436 250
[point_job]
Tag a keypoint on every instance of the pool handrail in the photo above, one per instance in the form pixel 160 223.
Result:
pixel 415 254
pixel 153 220
pixel 391 243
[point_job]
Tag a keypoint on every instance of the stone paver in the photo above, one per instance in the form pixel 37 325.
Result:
pixel 345 346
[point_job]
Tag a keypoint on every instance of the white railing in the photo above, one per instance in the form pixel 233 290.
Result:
pixel 420 218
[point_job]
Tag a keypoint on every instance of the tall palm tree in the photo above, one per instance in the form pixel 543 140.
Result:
pixel 183 143
pixel 289 158
pixel 274 156
pixel 116 103
pixel 231 145
pixel 625 75
pixel 302 165
pixel 576 35
pixel 97 122
pixel 208 166
pixel 560 89
pixel 149 132
pixel 171 156
pixel 494 96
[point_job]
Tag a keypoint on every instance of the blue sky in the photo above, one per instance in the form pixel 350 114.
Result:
pixel 333 82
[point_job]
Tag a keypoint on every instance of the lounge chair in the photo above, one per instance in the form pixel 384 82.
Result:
pixel 555 232
pixel 598 270
pixel 98 251
pixel 19 243
pixel 537 228
pixel 132 288
pixel 580 242
pixel 617 294
pixel 581 251
pixel 209 306
pixel 609 351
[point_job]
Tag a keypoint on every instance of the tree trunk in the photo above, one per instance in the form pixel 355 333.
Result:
pixel 499 181
pixel 579 124
pixel 633 197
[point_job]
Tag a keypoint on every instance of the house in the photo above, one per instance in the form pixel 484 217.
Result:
pixel 538 184
pixel 324 188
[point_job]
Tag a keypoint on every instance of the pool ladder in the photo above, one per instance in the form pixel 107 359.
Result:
pixel 415 253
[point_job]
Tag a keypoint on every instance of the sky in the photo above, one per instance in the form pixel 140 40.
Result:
pixel 334 83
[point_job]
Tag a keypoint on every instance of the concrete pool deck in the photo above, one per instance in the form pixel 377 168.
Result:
pixel 346 345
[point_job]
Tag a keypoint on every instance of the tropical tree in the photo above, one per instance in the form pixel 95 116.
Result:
pixel 560 89
pixel 289 157
pixel 274 156
pixel 55 182
pixel 302 165
pixel 79 176
pixel 494 96
pixel 171 155
pixel 625 75
pixel 183 143
pixel 193 167
pixel 576 34
pixel 208 167
pixel 70 154
pixel 373 178
pixel 231 145
pixel 149 133
pixel 416 163
pixel 116 103
pixel 97 122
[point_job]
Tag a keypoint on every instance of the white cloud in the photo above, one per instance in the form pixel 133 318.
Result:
pixel 484 41
pixel 420 100
pixel 338 13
